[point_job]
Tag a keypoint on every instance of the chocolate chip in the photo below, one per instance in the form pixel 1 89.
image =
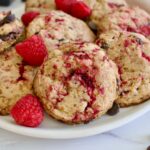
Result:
pixel 139 41
pixel 114 110
pixel 3 20
pixel 3 37
pixel 9 36
pixel 93 26
pixel 10 18
pixel 60 40
pixel 104 45
pixel 148 148
pixel 36 33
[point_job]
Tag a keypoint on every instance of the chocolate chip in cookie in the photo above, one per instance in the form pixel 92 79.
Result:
pixel 93 26
pixel 114 110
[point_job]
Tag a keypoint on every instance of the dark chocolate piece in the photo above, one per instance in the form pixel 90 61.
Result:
pixel 114 110
pixel 9 36
pixel 104 45
pixel 148 148
pixel 139 41
pixel 93 26
pixel 60 40
pixel 9 18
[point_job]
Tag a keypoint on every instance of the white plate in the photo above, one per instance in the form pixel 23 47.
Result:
pixel 56 130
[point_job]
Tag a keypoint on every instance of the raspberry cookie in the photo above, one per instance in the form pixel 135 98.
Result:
pixel 58 27
pixel 102 7
pixel 11 30
pixel 127 19
pixel 16 80
pixel 77 83
pixel 41 6
pixel 131 52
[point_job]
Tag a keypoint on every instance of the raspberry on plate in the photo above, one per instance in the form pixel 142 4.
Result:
pixel 80 10
pixel 76 8
pixel 64 5
pixel 33 50
pixel 28 111
pixel 28 17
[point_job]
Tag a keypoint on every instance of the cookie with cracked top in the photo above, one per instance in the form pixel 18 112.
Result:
pixel 127 19
pixel 16 79
pixel 58 27
pixel 131 53
pixel 77 83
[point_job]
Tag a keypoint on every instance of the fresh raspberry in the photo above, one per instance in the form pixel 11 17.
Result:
pixel 32 50
pixel 64 5
pixel 75 8
pixel 80 10
pixel 28 111
pixel 145 30
pixel 28 17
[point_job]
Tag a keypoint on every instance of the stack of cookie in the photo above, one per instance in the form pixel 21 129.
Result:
pixel 16 77
pixel 79 60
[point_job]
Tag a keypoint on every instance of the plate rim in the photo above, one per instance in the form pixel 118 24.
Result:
pixel 73 134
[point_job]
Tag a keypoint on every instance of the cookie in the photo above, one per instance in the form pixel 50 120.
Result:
pixel 102 7
pixel 41 6
pixel 11 30
pixel 16 80
pixel 127 19
pixel 58 27
pixel 131 53
pixel 77 83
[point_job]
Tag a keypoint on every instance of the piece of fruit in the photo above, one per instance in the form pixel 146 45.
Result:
pixel 28 111
pixel 75 8
pixel 80 10
pixel 28 17
pixel 64 5
pixel 32 50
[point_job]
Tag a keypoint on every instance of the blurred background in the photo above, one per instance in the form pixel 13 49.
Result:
pixel 18 4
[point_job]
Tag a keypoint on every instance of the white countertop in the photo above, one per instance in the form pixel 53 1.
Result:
pixel 133 136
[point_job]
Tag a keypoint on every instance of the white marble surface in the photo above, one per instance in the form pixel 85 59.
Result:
pixel 134 136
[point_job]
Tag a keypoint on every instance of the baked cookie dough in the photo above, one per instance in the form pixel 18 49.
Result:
pixel 42 6
pixel 16 80
pixel 131 53
pixel 100 8
pixel 58 27
pixel 11 30
pixel 77 83
pixel 127 19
